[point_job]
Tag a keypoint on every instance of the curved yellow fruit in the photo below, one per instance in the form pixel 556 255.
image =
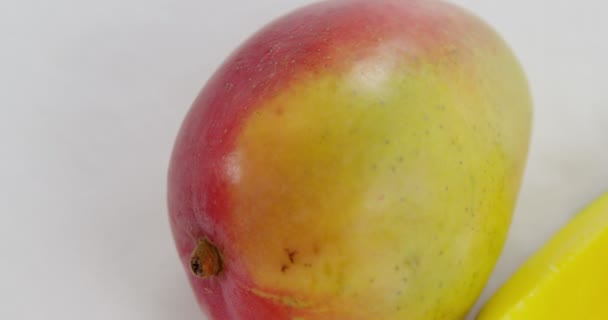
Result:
pixel 566 279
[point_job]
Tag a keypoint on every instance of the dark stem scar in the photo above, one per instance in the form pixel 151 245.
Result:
pixel 205 260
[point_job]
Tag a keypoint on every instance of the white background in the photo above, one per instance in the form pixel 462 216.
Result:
pixel 92 94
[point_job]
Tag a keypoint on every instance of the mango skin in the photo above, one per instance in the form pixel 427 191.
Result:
pixel 353 160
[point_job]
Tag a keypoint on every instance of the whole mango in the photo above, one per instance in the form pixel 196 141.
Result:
pixel 353 160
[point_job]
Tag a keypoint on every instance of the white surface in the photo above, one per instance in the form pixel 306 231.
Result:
pixel 92 95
